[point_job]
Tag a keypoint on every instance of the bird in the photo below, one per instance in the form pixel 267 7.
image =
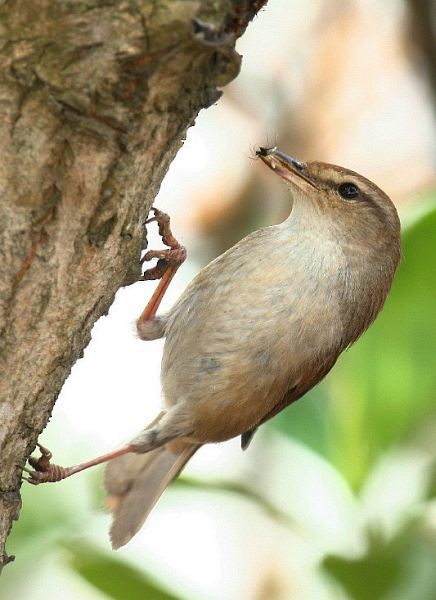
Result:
pixel 256 329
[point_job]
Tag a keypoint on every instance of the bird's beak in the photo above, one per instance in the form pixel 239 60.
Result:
pixel 288 168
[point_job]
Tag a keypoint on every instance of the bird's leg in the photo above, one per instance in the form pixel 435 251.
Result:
pixel 169 261
pixel 45 472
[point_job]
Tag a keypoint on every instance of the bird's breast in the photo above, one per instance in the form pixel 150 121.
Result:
pixel 256 322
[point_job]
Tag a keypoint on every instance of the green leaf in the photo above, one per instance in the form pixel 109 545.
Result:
pixel 114 577
pixel 369 578
pixel 402 568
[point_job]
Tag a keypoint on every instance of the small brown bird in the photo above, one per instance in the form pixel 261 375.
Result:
pixel 256 328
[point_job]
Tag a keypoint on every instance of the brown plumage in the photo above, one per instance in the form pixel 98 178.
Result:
pixel 261 325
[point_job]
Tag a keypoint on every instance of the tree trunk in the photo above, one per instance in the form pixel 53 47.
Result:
pixel 95 100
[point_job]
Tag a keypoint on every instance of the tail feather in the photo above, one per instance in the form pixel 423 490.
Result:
pixel 135 483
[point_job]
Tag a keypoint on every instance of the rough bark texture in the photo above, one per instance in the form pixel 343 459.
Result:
pixel 95 99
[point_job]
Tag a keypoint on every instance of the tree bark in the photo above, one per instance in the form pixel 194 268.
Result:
pixel 95 100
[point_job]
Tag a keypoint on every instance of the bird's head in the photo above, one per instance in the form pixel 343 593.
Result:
pixel 355 210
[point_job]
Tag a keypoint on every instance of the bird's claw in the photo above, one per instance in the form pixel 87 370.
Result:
pixel 43 471
pixel 174 255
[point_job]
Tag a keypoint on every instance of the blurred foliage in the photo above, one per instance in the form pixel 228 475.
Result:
pixel 380 568
pixel 51 526
pixel 401 568
pixel 114 577
pixel 384 386
pixel 237 489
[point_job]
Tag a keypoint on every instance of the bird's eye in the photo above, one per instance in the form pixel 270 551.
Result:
pixel 348 190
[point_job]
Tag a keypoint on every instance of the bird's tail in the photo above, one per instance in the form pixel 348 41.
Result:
pixel 135 482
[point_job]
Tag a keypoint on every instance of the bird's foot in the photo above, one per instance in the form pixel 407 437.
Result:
pixel 43 471
pixel 173 256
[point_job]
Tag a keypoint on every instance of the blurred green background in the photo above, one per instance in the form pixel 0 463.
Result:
pixel 336 497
